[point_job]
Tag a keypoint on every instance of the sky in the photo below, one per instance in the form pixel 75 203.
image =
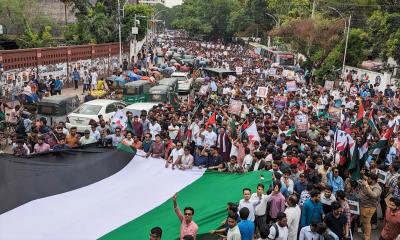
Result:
pixel 171 3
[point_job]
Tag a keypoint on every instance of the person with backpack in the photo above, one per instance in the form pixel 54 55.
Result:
pixel 279 230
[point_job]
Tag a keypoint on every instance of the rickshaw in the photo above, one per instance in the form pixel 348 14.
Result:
pixel 170 82
pixel 163 93
pixel 218 72
pixel 56 108
pixel 136 91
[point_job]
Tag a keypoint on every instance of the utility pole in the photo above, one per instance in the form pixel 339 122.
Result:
pixel 345 48
pixel 119 32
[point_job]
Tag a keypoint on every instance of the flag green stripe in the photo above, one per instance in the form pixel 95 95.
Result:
pixel 208 196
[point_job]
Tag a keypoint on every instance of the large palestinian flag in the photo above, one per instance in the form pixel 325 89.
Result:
pixel 127 204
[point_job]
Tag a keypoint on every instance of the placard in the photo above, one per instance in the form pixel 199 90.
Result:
pixel 334 114
pixel 354 207
pixel 239 70
pixel 382 176
pixel 301 122
pixel 329 85
pixel 280 102
pixel 235 106
pixel 262 92
pixel 231 79
pixel 272 71
pixel 291 86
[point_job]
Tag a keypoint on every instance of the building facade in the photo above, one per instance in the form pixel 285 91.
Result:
pixel 152 2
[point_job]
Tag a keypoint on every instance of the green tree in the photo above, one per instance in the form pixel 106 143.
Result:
pixel 32 39
pixel 128 20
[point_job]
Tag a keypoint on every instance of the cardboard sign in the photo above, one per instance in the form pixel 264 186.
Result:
pixel 262 92
pixel 291 86
pixel 334 114
pixel 329 85
pixel 239 70
pixel 235 106
pixel 354 207
pixel 280 102
pixel 301 122
pixel 382 176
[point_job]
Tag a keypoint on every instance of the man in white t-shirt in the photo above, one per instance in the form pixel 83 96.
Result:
pixel 210 137
pixel 154 128
pixel 176 155
pixel 173 130
pixel 94 76
pixel 293 214
pixel 279 230
pixel 233 231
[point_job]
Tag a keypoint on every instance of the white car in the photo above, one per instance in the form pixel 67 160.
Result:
pixel 184 82
pixel 81 116
pixel 137 108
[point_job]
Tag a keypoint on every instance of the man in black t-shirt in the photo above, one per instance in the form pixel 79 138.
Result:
pixel 215 160
pixel 336 221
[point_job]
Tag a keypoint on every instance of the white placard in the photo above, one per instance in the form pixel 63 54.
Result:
pixel 354 207
pixel 239 70
pixel 262 92
pixel 382 176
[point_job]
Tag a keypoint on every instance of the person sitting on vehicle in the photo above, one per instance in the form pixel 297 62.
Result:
pixel 41 146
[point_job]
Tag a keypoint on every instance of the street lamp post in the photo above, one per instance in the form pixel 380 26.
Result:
pixel 344 32
pixel 119 27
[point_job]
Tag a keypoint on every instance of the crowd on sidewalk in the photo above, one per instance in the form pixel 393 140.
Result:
pixel 331 169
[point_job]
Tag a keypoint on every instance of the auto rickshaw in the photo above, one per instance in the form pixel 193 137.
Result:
pixel 162 93
pixel 170 82
pixel 136 91
pixel 56 108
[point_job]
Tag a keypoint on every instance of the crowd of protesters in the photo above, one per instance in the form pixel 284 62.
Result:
pixel 316 193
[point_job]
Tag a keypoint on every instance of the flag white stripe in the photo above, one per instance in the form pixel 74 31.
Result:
pixel 97 209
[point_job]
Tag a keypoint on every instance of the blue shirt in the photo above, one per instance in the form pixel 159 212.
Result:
pixel 337 183
pixel 246 229
pixel 57 84
pixel 75 76
pixel 310 211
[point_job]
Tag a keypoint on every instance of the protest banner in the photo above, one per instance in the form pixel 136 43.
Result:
pixel 262 92
pixel 280 102
pixel 329 85
pixel 334 114
pixel 235 106
pixel 272 71
pixel 301 122
pixel 291 86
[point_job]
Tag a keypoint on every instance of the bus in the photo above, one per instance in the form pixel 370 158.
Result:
pixel 273 56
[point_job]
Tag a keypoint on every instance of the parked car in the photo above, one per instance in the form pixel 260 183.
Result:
pixel 184 81
pixel 137 109
pixel 81 116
